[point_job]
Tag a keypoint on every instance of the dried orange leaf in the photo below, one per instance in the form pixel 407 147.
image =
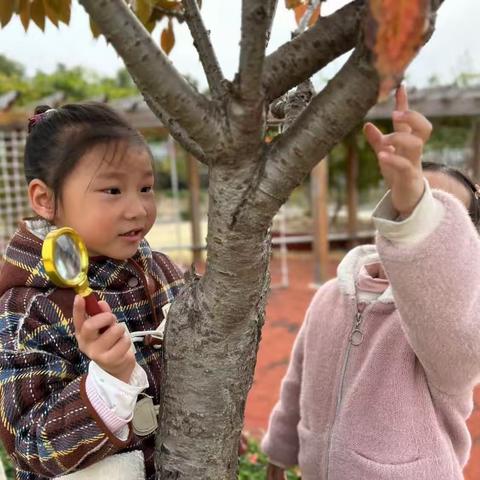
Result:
pixel 58 10
pixel 300 12
pixel 294 3
pixel 7 8
pixel 167 40
pixel 37 12
pixel 24 10
pixel 170 4
pixel 50 10
pixel 64 11
pixel 395 31
pixel 96 32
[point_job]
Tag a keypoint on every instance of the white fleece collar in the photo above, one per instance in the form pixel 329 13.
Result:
pixel 39 227
pixel 349 269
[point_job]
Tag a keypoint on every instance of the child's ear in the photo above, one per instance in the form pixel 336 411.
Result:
pixel 42 199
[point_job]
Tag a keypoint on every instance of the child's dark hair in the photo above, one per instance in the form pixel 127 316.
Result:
pixel 59 137
pixel 474 207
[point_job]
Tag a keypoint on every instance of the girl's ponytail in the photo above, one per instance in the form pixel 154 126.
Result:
pixel 471 186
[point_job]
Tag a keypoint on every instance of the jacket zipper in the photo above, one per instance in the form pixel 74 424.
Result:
pixel 355 339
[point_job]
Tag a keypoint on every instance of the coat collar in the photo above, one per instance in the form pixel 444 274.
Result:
pixel 23 264
pixel 349 269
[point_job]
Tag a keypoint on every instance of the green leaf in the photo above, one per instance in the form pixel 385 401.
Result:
pixel 143 10
pixel 150 25
pixel 7 7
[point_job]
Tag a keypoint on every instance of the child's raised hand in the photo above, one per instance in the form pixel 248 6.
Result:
pixel 103 340
pixel 399 153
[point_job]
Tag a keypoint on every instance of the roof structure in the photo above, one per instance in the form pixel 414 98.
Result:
pixel 433 102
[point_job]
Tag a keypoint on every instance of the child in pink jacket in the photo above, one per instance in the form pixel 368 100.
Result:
pixel 380 383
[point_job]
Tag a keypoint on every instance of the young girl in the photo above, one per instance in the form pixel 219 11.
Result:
pixel 74 391
pixel 381 378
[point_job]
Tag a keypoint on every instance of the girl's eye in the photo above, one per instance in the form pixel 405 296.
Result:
pixel 112 191
pixel 147 189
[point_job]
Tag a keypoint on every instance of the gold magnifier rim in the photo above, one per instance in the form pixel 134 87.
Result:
pixel 80 282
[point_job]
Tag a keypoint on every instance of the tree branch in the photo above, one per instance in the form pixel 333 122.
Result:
pixel 201 41
pixel 301 57
pixel 256 15
pixel 332 113
pixel 271 8
pixel 168 12
pixel 176 131
pixel 296 102
pixel 434 6
pixel 153 72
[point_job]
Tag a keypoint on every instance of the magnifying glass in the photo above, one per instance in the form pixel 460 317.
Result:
pixel 65 258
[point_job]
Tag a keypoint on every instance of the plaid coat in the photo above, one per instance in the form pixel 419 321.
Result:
pixel 47 423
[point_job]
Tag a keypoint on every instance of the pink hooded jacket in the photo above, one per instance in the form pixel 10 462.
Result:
pixel 389 401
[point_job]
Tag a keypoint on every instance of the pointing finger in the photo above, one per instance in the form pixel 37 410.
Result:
pixel 419 125
pixel 401 105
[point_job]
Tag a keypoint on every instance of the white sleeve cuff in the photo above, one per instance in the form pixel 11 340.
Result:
pixel 119 396
pixel 419 225
pixel 123 433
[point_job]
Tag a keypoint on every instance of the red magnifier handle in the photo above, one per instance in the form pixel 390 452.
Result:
pixel 92 307
pixel 91 304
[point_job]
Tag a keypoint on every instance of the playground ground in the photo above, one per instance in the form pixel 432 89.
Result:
pixel 285 311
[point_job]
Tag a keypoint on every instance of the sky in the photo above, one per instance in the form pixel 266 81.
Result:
pixel 452 50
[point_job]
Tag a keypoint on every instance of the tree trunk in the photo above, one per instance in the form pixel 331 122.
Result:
pixel 212 340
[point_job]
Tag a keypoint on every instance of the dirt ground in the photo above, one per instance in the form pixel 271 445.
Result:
pixel 285 311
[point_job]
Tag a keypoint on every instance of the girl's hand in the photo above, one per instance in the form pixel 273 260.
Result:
pixel 275 473
pixel 400 153
pixel 109 349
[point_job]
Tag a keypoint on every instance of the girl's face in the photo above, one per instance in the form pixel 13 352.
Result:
pixel 110 201
pixel 445 182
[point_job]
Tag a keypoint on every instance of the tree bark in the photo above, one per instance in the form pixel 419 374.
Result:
pixel 212 340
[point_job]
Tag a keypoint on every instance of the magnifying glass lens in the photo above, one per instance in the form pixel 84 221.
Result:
pixel 67 257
